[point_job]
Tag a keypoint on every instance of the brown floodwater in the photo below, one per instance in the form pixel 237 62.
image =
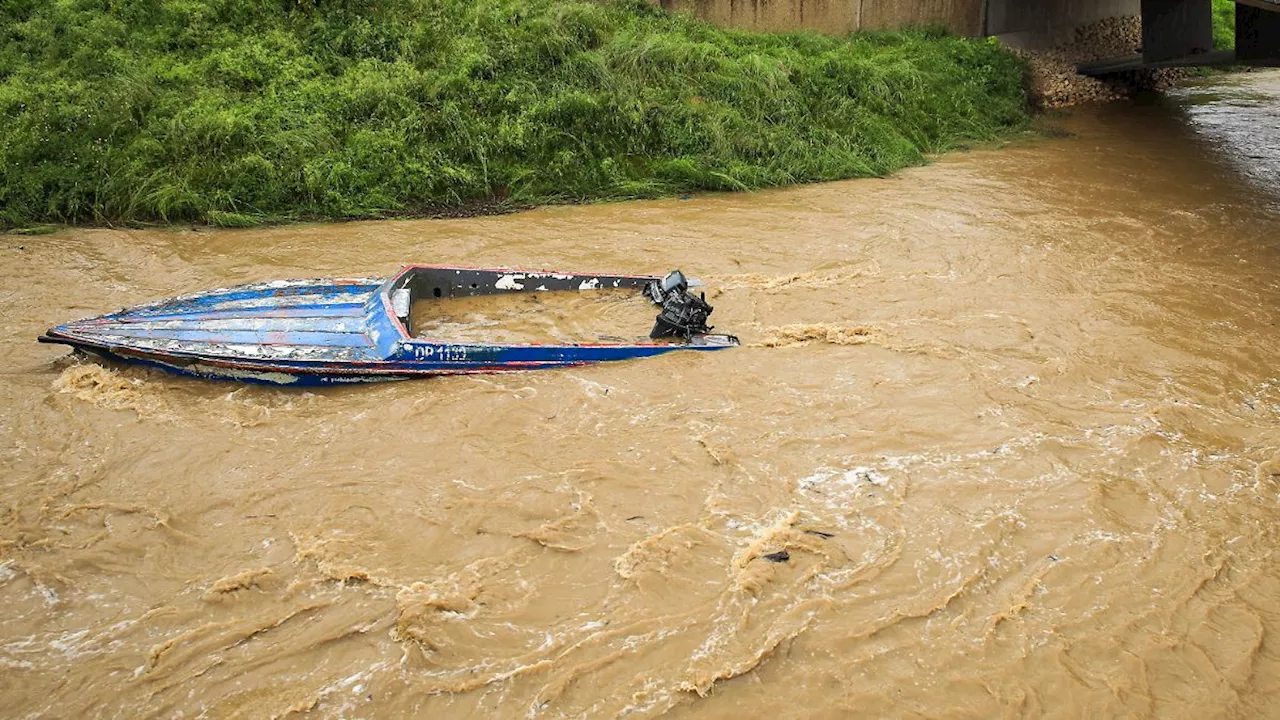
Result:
pixel 586 316
pixel 1013 417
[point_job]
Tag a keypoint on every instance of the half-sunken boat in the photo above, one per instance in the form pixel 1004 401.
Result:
pixel 337 331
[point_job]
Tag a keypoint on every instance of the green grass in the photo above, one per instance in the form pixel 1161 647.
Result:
pixel 1224 24
pixel 237 112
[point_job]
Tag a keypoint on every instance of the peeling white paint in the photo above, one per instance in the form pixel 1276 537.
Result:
pixel 591 284
pixel 509 282
pixel 278 378
pixel 400 302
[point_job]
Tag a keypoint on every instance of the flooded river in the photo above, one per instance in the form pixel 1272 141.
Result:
pixel 1014 419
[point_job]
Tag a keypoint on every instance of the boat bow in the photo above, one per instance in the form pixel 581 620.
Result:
pixel 288 320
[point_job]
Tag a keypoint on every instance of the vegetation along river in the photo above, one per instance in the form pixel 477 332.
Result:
pixel 1014 416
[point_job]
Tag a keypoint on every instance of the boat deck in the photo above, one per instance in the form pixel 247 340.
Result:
pixel 320 320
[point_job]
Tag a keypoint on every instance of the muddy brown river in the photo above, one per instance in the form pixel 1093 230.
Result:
pixel 1014 419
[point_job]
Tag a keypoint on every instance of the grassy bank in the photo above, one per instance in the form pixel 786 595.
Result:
pixel 241 111
pixel 1224 24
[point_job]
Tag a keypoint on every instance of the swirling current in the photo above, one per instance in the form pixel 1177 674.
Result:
pixel 1014 418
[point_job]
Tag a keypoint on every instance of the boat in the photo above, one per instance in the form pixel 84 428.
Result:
pixel 338 331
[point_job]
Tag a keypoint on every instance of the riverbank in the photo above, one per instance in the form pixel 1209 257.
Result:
pixel 239 113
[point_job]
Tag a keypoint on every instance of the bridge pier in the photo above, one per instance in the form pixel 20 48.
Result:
pixel 1174 29
pixel 1257 35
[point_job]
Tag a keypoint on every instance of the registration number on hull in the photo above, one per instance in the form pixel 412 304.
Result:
pixel 446 353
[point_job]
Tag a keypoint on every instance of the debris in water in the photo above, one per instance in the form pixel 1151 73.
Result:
pixel 778 557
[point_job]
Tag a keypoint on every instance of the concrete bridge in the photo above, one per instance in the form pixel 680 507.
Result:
pixel 1174 32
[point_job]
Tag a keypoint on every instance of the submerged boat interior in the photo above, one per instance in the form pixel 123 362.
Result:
pixel 682 315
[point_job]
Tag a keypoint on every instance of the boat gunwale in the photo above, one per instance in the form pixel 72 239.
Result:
pixel 384 292
pixel 305 367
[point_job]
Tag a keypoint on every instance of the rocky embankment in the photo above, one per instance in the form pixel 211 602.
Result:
pixel 1052 80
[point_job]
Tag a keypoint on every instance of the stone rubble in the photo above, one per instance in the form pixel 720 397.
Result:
pixel 1052 80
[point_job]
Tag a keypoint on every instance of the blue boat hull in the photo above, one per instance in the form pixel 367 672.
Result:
pixel 334 332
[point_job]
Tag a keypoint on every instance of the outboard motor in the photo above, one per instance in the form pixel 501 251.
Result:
pixel 683 315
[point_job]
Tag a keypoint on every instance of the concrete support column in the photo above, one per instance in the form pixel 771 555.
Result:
pixel 1176 28
pixel 1257 35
